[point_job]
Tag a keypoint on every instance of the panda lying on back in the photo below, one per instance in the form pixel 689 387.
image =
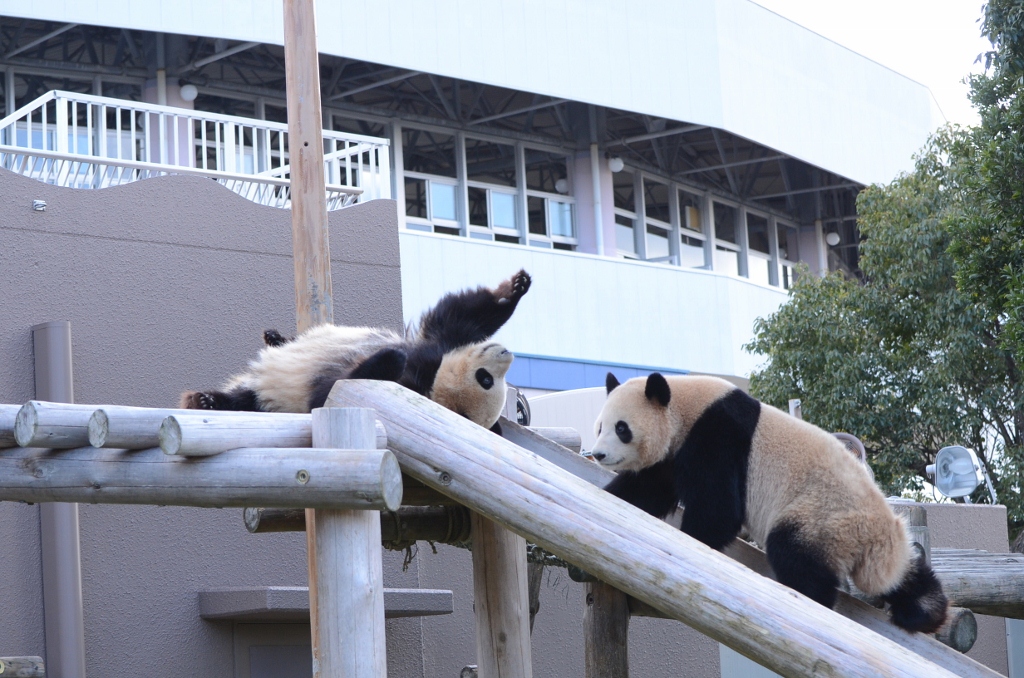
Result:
pixel 447 359
pixel 733 461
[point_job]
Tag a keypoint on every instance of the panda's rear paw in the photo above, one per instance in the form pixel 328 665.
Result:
pixel 197 400
pixel 514 288
pixel 274 338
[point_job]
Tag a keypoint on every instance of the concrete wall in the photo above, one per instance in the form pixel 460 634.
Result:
pixel 168 284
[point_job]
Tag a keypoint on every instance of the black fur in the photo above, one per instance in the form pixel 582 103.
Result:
pixel 918 604
pixel 610 383
pixel 624 433
pixel 471 316
pixel 650 489
pixel 238 399
pixel 387 364
pixel 800 566
pixel 657 389
pixel 711 469
pixel 275 338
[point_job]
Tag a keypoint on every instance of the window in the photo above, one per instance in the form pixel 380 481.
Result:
pixel 691 230
pixel 550 218
pixel 689 212
pixel 759 261
pixel 658 220
pixel 727 249
pixel 491 186
pixel 624 239
pixel 430 187
pixel 789 253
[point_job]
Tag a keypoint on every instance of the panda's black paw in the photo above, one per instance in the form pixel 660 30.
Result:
pixel 196 400
pixel 274 338
pixel 514 288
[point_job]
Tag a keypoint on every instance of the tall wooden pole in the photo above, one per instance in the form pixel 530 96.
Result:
pixel 310 247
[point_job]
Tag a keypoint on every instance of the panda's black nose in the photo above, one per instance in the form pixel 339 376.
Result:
pixel 598 455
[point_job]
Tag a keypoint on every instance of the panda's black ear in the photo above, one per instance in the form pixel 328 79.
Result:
pixel 610 382
pixel 657 389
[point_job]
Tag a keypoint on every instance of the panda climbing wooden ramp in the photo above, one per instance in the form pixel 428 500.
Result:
pixel 625 547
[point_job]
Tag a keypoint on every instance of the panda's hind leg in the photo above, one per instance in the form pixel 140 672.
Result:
pixel 800 566
pixel 238 399
pixel 387 364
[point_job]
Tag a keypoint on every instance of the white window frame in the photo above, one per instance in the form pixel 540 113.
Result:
pixel 548 240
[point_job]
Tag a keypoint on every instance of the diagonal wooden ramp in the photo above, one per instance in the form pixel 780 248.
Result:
pixel 632 551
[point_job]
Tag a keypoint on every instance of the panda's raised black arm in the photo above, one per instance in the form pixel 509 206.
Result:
pixel 472 316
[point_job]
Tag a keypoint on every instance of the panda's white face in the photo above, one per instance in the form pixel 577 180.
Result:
pixel 634 429
pixel 471 381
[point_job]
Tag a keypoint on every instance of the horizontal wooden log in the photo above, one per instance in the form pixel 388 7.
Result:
pixel 52 425
pixel 22 667
pixel 273 477
pixel 200 435
pixel 625 547
pixel 960 631
pixel 987 583
pixel 291 603
pixel 138 428
pixel 568 438
pixel 442 524
pixel 8 413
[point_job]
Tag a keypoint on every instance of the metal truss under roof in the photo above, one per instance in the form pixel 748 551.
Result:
pixel 247 78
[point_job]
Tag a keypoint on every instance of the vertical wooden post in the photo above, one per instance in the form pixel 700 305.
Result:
pixel 606 632
pixel 501 601
pixel 314 304
pixel 347 612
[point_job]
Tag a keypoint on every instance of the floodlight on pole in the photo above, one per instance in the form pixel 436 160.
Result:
pixel 957 472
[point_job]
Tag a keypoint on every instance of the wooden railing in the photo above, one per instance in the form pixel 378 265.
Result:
pixel 519 487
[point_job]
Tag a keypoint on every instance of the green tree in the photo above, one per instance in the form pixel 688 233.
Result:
pixel 903 360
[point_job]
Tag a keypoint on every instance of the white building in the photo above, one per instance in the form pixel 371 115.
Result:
pixel 740 140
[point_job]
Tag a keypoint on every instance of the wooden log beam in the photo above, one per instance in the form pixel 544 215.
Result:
pixel 8 413
pixel 986 583
pixel 442 524
pixel 275 477
pixel 606 632
pixel 568 438
pixel 22 667
pixel 138 428
pixel 200 435
pixel 346 603
pixel 648 559
pixel 53 425
pixel 960 631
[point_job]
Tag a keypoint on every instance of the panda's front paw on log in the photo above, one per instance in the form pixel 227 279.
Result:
pixel 514 288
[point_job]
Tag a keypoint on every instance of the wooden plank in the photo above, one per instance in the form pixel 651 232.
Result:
pixel 346 606
pixel 625 547
pixel 500 601
pixel 291 603
pixel 568 438
pixel 22 667
pixel 8 413
pixel 986 585
pixel 277 477
pixel 606 632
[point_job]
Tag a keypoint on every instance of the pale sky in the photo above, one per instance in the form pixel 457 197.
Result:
pixel 934 42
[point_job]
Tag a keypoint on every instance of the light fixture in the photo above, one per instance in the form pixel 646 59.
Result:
pixel 832 238
pixel 562 186
pixel 615 163
pixel 189 92
pixel 957 472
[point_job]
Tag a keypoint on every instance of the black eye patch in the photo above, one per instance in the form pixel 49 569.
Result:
pixel 484 378
pixel 622 430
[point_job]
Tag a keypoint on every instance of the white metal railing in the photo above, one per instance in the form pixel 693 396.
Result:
pixel 85 141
